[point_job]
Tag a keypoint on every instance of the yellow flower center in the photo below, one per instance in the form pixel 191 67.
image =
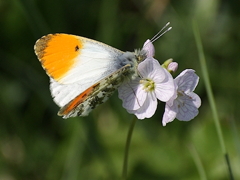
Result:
pixel 148 84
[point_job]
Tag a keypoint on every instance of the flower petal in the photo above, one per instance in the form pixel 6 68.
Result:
pixel 188 106
pixel 166 89
pixel 146 68
pixel 149 48
pixel 151 68
pixel 148 108
pixel 132 94
pixel 196 99
pixel 157 73
pixel 169 113
pixel 187 80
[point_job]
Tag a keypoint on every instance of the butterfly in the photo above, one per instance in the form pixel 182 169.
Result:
pixel 83 72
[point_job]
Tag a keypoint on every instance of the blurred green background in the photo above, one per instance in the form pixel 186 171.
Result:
pixel 36 144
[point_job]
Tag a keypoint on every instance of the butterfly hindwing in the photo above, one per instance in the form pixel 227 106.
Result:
pixel 95 95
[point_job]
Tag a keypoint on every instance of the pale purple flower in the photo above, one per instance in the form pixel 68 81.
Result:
pixel 140 95
pixel 185 106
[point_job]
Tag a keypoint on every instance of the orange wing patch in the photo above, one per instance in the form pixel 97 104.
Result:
pixel 57 53
pixel 76 101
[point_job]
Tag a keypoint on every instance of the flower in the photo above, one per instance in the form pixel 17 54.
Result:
pixel 140 95
pixel 185 105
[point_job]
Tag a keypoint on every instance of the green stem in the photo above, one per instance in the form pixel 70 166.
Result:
pixel 210 95
pixel 128 142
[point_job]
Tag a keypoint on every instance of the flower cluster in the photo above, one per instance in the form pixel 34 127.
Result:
pixel 140 96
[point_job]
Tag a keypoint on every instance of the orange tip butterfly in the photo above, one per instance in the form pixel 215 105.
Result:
pixel 83 72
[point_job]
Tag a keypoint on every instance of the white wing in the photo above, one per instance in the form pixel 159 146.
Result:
pixel 75 63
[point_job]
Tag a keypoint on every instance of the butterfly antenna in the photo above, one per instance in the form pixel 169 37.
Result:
pixel 161 32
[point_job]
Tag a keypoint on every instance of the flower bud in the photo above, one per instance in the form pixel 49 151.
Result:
pixel 166 63
pixel 172 67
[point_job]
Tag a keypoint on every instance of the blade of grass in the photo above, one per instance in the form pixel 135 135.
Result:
pixel 198 162
pixel 210 94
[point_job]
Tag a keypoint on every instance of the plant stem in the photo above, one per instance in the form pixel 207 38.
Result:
pixel 210 95
pixel 128 142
